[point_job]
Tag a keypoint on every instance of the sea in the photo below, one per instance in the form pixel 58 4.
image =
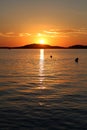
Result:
pixel 43 89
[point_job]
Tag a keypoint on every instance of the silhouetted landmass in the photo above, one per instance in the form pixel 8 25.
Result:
pixel 41 46
pixel 5 47
pixel 78 47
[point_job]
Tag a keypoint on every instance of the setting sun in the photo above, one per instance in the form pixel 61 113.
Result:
pixel 42 41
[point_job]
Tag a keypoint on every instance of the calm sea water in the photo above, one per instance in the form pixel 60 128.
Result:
pixel 42 93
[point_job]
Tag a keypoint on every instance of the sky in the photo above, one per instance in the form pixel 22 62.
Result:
pixel 54 22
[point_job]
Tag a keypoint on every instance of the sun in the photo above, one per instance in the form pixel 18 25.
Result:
pixel 42 41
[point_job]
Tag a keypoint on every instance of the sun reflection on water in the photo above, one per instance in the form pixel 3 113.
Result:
pixel 41 69
pixel 41 55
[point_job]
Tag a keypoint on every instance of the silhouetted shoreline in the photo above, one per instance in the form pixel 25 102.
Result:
pixel 39 46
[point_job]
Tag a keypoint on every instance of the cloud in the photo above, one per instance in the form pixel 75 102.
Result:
pixel 61 32
pixel 39 34
pixel 51 33
pixel 73 31
pixel 8 34
pixel 1 34
pixel 24 34
pixel 65 32
pixel 12 34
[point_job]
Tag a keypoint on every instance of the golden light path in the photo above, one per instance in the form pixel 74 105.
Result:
pixel 41 55
pixel 41 69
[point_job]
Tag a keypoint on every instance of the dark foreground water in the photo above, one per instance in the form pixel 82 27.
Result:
pixel 42 93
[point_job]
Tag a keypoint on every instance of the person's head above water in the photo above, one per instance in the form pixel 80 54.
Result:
pixel 51 56
pixel 76 59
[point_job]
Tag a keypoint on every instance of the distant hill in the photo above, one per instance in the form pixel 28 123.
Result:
pixel 41 46
pixel 77 47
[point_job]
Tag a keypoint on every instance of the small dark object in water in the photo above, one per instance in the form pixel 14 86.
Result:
pixel 76 60
pixel 51 56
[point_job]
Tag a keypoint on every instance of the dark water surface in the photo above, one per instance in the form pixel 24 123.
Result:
pixel 42 93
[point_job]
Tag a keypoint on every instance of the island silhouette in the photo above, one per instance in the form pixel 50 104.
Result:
pixel 45 46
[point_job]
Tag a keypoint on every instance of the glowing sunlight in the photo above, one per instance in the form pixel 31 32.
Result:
pixel 42 41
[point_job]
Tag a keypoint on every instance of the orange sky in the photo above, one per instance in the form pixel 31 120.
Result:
pixel 55 22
